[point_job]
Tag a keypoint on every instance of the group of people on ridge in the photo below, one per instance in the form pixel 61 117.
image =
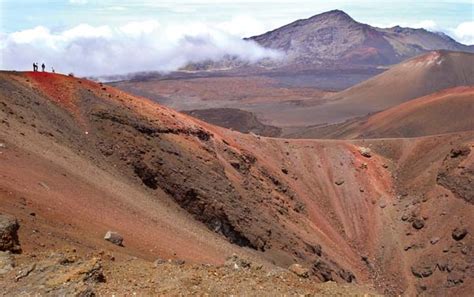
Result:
pixel 35 67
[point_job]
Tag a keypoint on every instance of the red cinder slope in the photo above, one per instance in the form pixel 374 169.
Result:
pixel 446 111
pixel 177 187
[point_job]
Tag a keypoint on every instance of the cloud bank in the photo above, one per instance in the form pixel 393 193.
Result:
pixel 133 47
pixel 463 33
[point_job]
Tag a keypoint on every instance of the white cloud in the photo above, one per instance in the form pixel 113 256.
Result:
pixel 243 25
pixel 426 24
pixel 136 46
pixel 78 1
pixel 464 32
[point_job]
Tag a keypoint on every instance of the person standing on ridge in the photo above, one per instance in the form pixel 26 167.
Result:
pixel 35 67
pixel 52 70
pixel 43 66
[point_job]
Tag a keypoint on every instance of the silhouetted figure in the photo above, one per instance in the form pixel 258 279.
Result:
pixel 43 66
pixel 52 70
pixel 35 67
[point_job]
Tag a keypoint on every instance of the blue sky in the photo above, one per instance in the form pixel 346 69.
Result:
pixel 92 37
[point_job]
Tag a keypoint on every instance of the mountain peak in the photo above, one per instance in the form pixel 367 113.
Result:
pixel 334 14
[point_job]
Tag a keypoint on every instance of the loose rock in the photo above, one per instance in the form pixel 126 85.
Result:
pixel 418 224
pixel 459 233
pixel 422 271
pixel 237 262
pixel 114 238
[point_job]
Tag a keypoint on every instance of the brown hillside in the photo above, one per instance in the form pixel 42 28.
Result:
pixel 409 80
pixel 79 158
pixel 447 111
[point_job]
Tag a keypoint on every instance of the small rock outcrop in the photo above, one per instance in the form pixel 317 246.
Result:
pixel 237 262
pixel 299 270
pixel 9 234
pixel 114 238
pixel 421 271
pixel 322 271
pixel 365 151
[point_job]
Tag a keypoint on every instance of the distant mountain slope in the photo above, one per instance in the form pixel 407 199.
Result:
pixel 447 111
pixel 334 37
pixel 412 79
pixel 236 119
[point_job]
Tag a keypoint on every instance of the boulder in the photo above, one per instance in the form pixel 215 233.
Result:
pixel 9 234
pixel 459 233
pixel 346 275
pixel 365 151
pixel 299 270
pixel 114 238
pixel 418 224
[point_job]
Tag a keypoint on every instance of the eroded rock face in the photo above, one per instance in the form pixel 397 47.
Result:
pixel 456 173
pixel 322 271
pixel 9 234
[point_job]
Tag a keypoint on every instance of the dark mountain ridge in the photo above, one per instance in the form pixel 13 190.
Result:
pixel 334 38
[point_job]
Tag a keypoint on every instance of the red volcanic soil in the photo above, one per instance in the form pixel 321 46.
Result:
pixel 176 187
pixel 265 97
pixel 406 81
pixel 56 88
pixel 296 108
pixel 446 111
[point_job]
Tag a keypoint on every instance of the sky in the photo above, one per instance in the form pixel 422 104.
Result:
pixel 98 37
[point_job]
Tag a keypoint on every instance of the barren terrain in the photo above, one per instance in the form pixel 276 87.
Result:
pixel 80 158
